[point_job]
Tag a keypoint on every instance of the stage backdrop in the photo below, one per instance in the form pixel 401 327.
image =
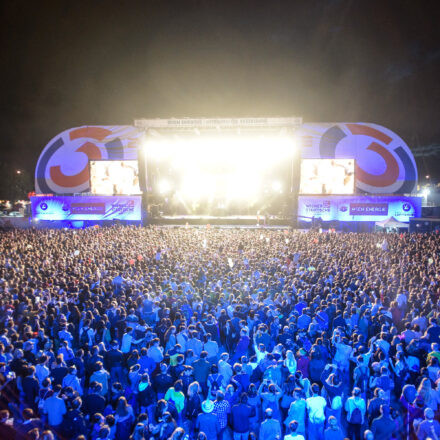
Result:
pixel 86 208
pixel 384 163
pixel 63 166
pixel 358 208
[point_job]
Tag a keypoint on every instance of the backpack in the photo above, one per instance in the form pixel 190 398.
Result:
pixel 215 382
pixel 356 416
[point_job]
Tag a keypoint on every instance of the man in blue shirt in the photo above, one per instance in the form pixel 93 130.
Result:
pixel 207 422
pixel 240 415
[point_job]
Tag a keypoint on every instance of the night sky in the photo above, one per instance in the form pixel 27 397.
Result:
pixel 71 63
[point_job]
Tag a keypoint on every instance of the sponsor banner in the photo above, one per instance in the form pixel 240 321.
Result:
pixel 368 208
pixel 218 122
pixel 359 208
pixel 86 208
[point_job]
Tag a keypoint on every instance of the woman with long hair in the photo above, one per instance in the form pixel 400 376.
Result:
pixel 428 394
pixel 194 403
pixel 178 434
pixel 124 419
pixel 230 336
pixel 290 362
pixel 170 338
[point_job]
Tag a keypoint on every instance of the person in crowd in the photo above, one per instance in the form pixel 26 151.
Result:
pixel 316 416
pixel 356 410
pixel 207 422
pixel 241 415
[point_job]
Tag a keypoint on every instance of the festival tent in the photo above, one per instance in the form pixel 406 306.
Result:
pixel 391 223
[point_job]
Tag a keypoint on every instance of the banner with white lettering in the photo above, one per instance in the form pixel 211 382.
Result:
pixel 86 208
pixel 359 208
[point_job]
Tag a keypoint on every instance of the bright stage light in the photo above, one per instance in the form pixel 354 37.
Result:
pixel 276 186
pixel 164 187
pixel 426 192
pixel 223 167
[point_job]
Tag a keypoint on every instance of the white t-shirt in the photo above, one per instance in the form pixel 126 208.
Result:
pixel 126 343
pixel 294 437
pixel 315 408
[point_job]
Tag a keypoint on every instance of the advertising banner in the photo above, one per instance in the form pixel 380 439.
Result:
pixel 218 122
pixel 86 208
pixel 359 208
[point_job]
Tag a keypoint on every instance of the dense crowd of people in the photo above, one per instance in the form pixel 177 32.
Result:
pixel 185 333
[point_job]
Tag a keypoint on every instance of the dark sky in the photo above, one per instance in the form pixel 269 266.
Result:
pixel 70 63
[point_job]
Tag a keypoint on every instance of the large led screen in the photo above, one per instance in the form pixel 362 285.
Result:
pixel 327 176
pixel 114 177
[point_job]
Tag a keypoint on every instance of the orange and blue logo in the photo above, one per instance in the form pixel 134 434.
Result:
pixel 384 164
pixel 63 167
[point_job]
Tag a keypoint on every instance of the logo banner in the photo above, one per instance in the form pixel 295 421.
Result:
pixel 359 208
pixel 86 208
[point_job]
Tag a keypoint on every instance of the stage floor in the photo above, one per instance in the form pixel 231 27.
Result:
pixel 232 220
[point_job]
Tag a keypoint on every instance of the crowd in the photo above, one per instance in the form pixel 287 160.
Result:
pixel 218 334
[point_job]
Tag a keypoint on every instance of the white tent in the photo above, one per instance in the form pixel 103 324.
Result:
pixel 392 223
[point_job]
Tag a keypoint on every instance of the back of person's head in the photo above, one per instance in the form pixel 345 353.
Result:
pixel 28 414
pixel 293 426
pixel 97 418
pixel 237 368
pixel 33 434
pixel 96 387
pixel 220 396
pixel 4 415
pixel 356 391
pixel 268 413
pixel 142 418
pixel 178 385
pixel 203 354
pixel 57 388
pixel 243 398
pixel 315 388
pixel 252 390
pixel 104 432
pixel 214 369
pixel 110 420
pixel 368 435
pixel 77 403
pixel 429 413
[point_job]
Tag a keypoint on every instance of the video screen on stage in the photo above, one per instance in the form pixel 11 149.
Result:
pixel 114 177
pixel 327 176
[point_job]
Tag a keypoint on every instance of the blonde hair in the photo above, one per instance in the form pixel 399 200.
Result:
pixel 193 388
